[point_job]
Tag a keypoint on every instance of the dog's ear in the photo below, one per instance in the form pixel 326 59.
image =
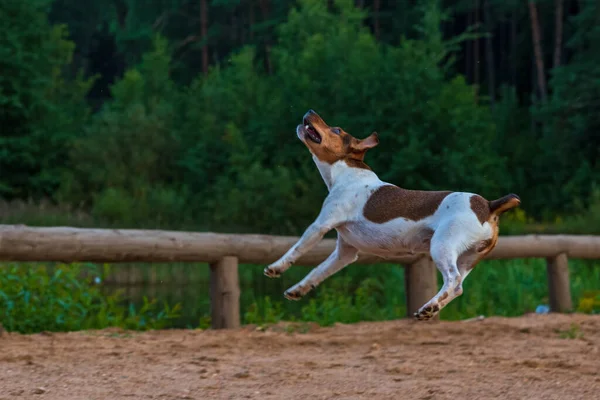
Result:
pixel 367 143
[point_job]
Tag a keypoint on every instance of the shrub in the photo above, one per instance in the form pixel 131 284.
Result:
pixel 589 302
pixel 36 298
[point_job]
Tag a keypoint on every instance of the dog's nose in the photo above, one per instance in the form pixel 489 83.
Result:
pixel 310 113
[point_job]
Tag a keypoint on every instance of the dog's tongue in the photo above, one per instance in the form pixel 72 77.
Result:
pixel 313 133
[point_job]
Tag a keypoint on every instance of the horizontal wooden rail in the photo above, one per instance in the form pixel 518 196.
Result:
pixel 224 251
pixel 22 243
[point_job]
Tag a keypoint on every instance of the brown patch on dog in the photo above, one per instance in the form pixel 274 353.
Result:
pixel 496 207
pixel 481 249
pixel 493 240
pixel 481 208
pixel 354 163
pixel 484 247
pixel 391 202
pixel 336 144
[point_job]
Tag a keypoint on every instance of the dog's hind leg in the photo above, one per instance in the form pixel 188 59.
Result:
pixel 343 255
pixel 466 263
pixel 446 245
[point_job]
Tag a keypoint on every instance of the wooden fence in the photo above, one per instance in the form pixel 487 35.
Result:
pixel 225 251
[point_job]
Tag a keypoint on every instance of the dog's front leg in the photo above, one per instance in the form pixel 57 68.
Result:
pixel 330 217
pixel 343 255
pixel 313 234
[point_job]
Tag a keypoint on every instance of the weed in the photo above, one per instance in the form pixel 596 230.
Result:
pixel 574 332
pixel 589 302
pixel 35 298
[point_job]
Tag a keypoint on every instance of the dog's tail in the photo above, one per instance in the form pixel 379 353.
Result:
pixel 504 203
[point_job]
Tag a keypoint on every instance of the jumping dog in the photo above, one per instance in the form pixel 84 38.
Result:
pixel 456 229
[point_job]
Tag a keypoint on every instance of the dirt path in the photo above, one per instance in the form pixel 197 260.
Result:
pixel 518 358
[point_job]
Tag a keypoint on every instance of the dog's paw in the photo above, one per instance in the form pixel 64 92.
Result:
pixel 293 294
pixel 426 313
pixel 272 272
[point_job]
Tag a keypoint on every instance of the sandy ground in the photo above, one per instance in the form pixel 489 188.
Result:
pixel 516 358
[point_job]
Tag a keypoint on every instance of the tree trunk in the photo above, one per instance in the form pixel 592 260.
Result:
pixel 252 19
pixel 122 12
pixel 469 51
pixel 264 8
pixel 537 48
pixel 513 47
pixel 534 99
pixel 558 32
pixel 233 32
pixel 376 6
pixel 204 35
pixel 489 53
pixel 476 49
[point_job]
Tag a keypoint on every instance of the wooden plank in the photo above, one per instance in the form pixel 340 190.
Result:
pixel 544 246
pixel 225 293
pixel 421 284
pixel 559 288
pixel 21 243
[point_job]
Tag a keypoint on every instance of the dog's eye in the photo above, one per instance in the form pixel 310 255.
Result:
pixel 335 130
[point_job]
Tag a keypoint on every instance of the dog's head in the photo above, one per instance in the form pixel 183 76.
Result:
pixel 331 144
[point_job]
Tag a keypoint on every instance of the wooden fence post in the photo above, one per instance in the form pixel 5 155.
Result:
pixel 559 289
pixel 225 293
pixel 420 280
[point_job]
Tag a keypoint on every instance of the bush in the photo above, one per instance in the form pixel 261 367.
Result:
pixel 40 111
pixel 61 298
pixel 127 152
pixel 589 302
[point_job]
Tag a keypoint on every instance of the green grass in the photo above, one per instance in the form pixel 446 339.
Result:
pixel 58 297
pixel 363 293
pixel 34 300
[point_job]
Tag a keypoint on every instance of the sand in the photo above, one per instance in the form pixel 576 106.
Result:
pixel 530 357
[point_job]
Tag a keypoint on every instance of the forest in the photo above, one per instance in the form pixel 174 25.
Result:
pixel 178 114
pixel 181 114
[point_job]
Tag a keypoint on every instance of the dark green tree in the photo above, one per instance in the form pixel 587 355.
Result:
pixel 40 110
pixel 568 167
pixel 125 158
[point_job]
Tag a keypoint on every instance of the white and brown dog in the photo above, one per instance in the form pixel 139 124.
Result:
pixel 456 229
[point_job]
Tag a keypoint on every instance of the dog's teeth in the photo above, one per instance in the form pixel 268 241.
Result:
pixel 306 127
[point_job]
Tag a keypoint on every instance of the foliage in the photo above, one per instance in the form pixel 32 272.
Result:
pixel 36 298
pixel 589 303
pixel 585 221
pixel 374 293
pixel 263 312
pixel 248 146
pixel 574 332
pixel 367 303
pixel 572 123
pixel 40 111
pixel 123 160
pixel 157 153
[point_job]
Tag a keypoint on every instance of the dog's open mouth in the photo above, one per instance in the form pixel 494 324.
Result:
pixel 311 132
